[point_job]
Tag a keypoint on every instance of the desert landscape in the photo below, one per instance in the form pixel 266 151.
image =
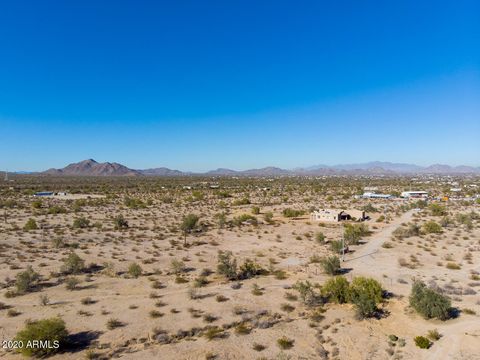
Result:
pixel 235 267
pixel 240 180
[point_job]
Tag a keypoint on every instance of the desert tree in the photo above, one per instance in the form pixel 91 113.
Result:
pixel 189 223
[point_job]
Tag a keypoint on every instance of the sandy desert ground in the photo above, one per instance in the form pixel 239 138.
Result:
pixel 174 303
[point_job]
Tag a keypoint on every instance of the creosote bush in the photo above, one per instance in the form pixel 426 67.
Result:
pixel 429 303
pixel 26 280
pixel 31 224
pixel 73 264
pixel 337 290
pixel 330 264
pixel 52 330
pixel 134 270
pixel 422 342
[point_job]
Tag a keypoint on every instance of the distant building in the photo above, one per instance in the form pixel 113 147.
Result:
pixel 372 195
pixel 43 193
pixel 330 215
pixel 414 194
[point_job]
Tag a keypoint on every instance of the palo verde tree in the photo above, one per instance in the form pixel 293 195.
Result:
pixel 189 223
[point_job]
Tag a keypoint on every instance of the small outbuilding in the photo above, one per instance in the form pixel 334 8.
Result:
pixel 331 215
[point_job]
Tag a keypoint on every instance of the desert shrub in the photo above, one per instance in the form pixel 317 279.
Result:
pixel 52 330
pixel 37 204
pixel 242 329
pixel 227 265
pixel 26 280
pixel 268 217
pixel 134 203
pixel 431 227
pixel 330 264
pixel 250 269
pixel 429 303
pixel 292 213
pixel 434 335
pixel 320 237
pixel 177 266
pixel 285 343
pixel 353 233
pixel 221 219
pixel 437 209
pixel 258 347
pixel 365 293
pixel 307 293
pixel 134 270
pixel 73 264
pixel 244 218
pixel 365 305
pixel 370 208
pixel 422 342
pixel 189 223
pixel 213 332
pixel 114 323
pixel 406 232
pixel 120 222
pixel 31 224
pixel 71 283
pixel 55 209
pixel 81 223
pixel 200 281
pixel 244 201
pixel 453 266
pixel 336 246
pixel 255 210
pixel 337 289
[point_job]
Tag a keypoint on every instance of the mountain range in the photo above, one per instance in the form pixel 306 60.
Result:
pixel 91 167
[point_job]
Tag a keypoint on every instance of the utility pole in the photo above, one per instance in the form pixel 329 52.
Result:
pixel 343 247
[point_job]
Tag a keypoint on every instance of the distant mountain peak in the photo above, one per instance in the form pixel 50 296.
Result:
pixel 90 167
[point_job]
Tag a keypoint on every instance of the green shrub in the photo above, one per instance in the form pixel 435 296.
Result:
pixel 73 264
pixel 437 209
pixel 249 269
pixel 365 293
pixel 431 227
pixel 429 303
pixel 306 292
pixel 26 280
pixel 353 233
pixel 55 209
pixel 120 222
pixel 244 201
pixel 227 265
pixel 81 223
pixel 255 210
pixel 52 330
pixel 268 217
pixel 330 264
pixel 134 270
pixel 336 246
pixel 31 224
pixel 434 335
pixel 177 266
pixel 320 237
pixel 285 343
pixel 71 283
pixel 422 342
pixel 292 213
pixel 134 203
pixel 239 220
pixel 337 290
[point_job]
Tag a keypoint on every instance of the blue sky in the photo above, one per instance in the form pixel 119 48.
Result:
pixel 197 85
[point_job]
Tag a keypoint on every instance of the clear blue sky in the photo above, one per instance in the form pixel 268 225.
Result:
pixel 197 85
